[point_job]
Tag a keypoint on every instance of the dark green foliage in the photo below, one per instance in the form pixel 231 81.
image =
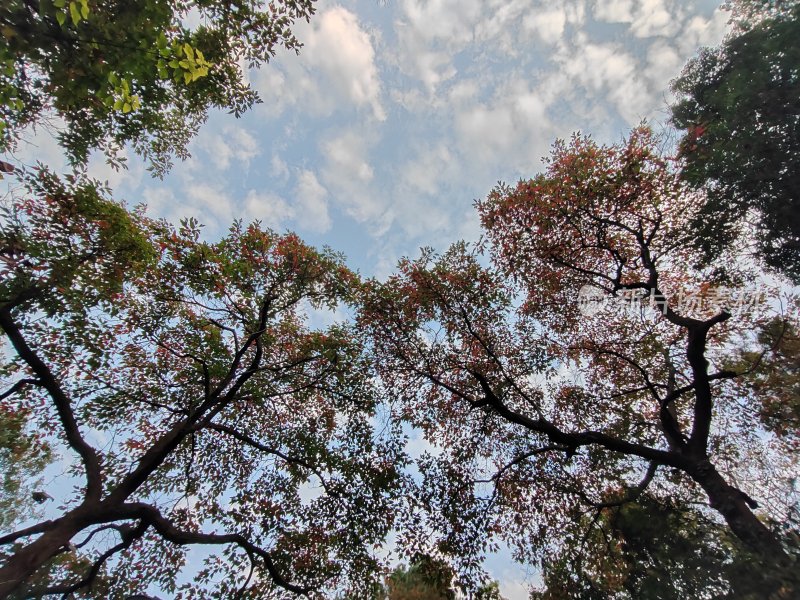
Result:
pixel 133 71
pixel 771 373
pixel 649 550
pixel 426 578
pixel 22 457
pixel 739 109
pixel 430 578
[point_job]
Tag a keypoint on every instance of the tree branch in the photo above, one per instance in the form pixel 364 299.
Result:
pixel 89 456
pixel 18 386
pixel 170 532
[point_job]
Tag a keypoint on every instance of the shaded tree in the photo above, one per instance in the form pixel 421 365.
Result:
pixel 739 110
pixel 771 373
pixel 579 368
pixel 651 550
pixel 426 578
pixel 431 578
pixel 23 455
pixel 133 72
pixel 195 402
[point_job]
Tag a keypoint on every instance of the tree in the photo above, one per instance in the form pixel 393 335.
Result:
pixel 739 110
pixel 542 407
pixel 23 456
pixel 133 72
pixel 197 404
pixel 771 373
pixel 431 578
pixel 426 578
pixel 649 550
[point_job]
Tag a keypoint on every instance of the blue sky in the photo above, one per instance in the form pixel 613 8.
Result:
pixel 397 115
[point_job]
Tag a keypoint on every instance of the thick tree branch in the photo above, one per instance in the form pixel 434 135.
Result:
pixel 18 386
pixel 128 535
pixel 63 405
pixel 170 532
pixel 32 530
pixel 575 440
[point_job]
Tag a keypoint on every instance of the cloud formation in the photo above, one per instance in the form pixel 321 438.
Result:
pixel 335 71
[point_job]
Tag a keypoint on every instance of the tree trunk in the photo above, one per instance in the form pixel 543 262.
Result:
pixel 735 507
pixel 26 561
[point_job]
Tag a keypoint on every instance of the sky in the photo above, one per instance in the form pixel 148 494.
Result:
pixel 398 114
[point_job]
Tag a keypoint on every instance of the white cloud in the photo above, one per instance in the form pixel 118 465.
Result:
pixel 608 70
pixel 646 18
pixel 614 11
pixel 208 203
pixel 272 210
pixel 130 177
pixel 700 31
pixel 450 21
pixel 430 34
pixel 508 133
pixel 348 175
pixel 513 588
pixel 663 64
pixel 336 69
pixel 234 146
pixel 656 18
pixel 278 168
pixel 311 203
pixel 548 24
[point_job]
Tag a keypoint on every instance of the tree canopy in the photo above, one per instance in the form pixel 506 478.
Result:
pixel 139 72
pixel 582 366
pixel 651 550
pixel 601 381
pixel 739 110
pixel 198 405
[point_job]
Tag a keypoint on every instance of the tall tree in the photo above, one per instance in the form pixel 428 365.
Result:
pixel 196 403
pixel 426 578
pixel 23 456
pixel 431 578
pixel 143 72
pixel 651 550
pixel 739 109
pixel 578 368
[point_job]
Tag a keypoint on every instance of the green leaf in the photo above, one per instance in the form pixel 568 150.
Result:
pixel 74 13
pixel 126 107
pixel 59 3
pixel 61 18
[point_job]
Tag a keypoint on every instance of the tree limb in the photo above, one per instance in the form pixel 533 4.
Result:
pixel 63 405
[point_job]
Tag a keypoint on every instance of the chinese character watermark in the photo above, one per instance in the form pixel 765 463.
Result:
pixel 699 303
